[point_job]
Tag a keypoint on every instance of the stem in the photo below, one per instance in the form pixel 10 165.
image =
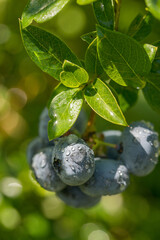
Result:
pixel 91 119
pixel 117 13
pixel 105 143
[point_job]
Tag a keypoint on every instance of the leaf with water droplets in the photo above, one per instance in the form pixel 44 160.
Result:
pixel 141 26
pixel 102 101
pixel 73 76
pixel 124 60
pixel 41 10
pixel 151 51
pixel 46 50
pixel 104 12
pixel 152 91
pixel 63 111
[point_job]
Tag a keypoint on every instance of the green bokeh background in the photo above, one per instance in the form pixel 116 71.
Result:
pixel 26 210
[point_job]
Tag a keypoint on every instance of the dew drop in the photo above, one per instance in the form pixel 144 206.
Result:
pixel 86 166
pixel 43 163
pixel 73 149
pixel 79 148
pixel 121 181
pixel 73 168
pixel 67 153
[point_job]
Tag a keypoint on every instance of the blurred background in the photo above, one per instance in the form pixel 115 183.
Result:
pixel 26 210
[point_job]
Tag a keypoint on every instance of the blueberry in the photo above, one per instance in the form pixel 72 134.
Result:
pixel 73 160
pixel 113 136
pixel 81 122
pixel 34 147
pixel 110 177
pixel 74 197
pixel 43 125
pixel 140 148
pixel 44 171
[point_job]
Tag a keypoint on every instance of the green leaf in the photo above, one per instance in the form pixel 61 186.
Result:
pixel 127 96
pixel 92 63
pixel 154 7
pixel 156 63
pixel 151 51
pixel 104 13
pixel 89 37
pixel 73 76
pixel 141 26
pixel 59 88
pixel 152 91
pixel 46 50
pixel 63 111
pixel 41 10
pixel 102 101
pixel 124 59
pixel 84 2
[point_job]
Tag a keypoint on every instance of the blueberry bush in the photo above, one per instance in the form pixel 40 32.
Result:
pixel 115 65
pixel 79 119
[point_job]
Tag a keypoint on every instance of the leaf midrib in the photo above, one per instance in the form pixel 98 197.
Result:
pixel 105 37
pixel 43 46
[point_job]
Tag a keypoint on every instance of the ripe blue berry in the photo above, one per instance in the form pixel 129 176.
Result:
pixel 74 197
pixel 81 122
pixel 43 125
pixel 140 148
pixel 113 136
pixel 33 148
pixel 44 171
pixel 110 177
pixel 73 160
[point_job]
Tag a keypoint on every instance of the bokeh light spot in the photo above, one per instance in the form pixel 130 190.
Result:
pixel 71 21
pixel 10 218
pixel 11 187
pixel 98 235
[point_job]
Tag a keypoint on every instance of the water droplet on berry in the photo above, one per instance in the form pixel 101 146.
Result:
pixel 86 166
pixel 79 148
pixel 73 149
pixel 121 181
pixel 67 153
pixel 43 163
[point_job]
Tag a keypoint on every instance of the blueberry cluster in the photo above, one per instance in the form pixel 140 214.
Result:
pixel 69 167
